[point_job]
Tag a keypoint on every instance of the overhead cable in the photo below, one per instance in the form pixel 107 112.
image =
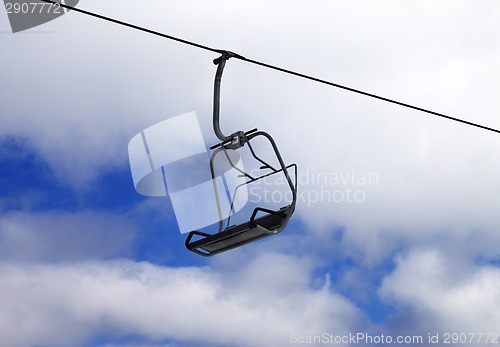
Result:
pixel 269 66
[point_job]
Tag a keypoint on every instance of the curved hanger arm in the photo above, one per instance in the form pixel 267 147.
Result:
pixel 220 62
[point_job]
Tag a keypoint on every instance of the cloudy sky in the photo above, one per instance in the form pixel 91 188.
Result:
pixel 403 239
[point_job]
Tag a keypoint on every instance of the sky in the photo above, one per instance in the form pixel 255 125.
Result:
pixel 396 232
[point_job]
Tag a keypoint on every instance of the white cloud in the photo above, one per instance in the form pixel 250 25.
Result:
pixel 260 306
pixel 63 236
pixel 444 293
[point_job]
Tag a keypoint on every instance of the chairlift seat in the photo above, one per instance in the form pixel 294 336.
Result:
pixel 234 236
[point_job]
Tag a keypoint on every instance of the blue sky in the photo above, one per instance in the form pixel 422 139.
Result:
pixel 86 261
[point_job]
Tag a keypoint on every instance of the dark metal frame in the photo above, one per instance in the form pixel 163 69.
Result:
pixel 273 221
